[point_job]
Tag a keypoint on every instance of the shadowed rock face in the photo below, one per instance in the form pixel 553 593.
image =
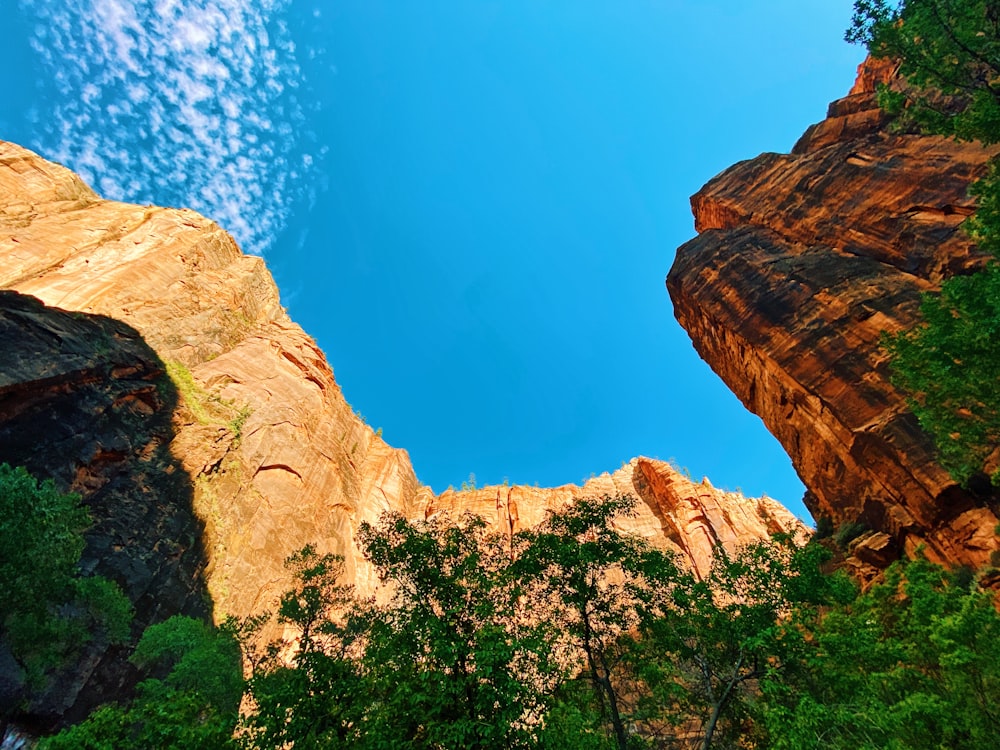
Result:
pixel 84 401
pixel 158 375
pixel 802 261
pixel 275 455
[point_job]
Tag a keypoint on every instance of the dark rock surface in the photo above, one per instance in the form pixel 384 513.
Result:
pixel 85 401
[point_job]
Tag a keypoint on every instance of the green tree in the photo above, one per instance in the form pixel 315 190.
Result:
pixel 49 610
pixel 949 366
pixel 593 582
pixel 913 663
pixel 949 53
pixel 457 659
pixel 308 692
pixel 711 643
pixel 193 706
pixel 944 47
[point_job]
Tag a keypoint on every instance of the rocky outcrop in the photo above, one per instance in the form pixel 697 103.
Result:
pixel 276 456
pixel 802 261
pixel 148 364
pixel 672 511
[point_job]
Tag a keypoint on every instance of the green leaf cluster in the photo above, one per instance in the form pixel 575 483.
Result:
pixel 913 663
pixel 950 366
pixel 574 635
pixel 945 47
pixel 192 705
pixel 569 635
pixel 49 610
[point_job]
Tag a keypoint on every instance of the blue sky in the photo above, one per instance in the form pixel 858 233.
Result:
pixel 471 206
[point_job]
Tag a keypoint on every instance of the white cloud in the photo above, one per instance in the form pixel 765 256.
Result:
pixel 179 102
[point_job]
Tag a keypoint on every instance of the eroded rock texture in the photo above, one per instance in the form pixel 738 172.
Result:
pixel 276 456
pixel 672 511
pixel 256 449
pixel 208 435
pixel 802 261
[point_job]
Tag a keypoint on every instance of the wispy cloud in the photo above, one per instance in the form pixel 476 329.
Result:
pixel 192 103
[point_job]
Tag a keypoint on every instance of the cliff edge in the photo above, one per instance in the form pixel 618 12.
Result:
pixel 801 262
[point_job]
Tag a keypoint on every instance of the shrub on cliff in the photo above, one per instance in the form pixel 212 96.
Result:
pixel 49 609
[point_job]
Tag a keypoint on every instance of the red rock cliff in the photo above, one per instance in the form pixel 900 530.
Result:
pixel 672 511
pixel 205 429
pixel 802 260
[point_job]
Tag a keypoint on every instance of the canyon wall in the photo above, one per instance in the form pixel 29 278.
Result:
pixel 672 511
pixel 149 366
pixel 801 262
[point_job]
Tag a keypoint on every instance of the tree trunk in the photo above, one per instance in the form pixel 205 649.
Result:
pixel 713 720
pixel 616 720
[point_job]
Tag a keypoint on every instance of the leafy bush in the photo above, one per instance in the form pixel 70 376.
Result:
pixel 49 611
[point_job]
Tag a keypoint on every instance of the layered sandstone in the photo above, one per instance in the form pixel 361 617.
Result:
pixel 149 365
pixel 275 454
pixel 672 511
pixel 802 261
pixel 212 446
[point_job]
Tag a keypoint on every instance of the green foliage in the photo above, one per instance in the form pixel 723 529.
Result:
pixel 824 528
pixel 41 540
pixel 944 46
pixel 237 423
pixel 847 532
pixel 309 693
pixel 192 707
pixel 165 719
pixel 713 642
pixel 595 581
pixel 913 663
pixel 193 395
pixel 470 483
pixel 207 408
pixel 947 364
pixel 200 659
pixel 456 660
pixel 574 635
pixel 49 611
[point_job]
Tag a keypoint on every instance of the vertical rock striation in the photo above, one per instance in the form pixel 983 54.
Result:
pixel 672 511
pixel 801 262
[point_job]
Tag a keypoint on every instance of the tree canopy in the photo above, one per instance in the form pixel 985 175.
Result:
pixel 49 609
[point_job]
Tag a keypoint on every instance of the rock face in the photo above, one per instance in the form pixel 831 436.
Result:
pixel 148 365
pixel 672 511
pixel 83 400
pixel 202 427
pixel 802 261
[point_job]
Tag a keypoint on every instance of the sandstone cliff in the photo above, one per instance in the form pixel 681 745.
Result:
pixel 672 511
pixel 149 366
pixel 802 260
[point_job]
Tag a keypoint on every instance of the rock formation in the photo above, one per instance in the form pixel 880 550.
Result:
pixel 672 512
pixel 802 261
pixel 148 365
